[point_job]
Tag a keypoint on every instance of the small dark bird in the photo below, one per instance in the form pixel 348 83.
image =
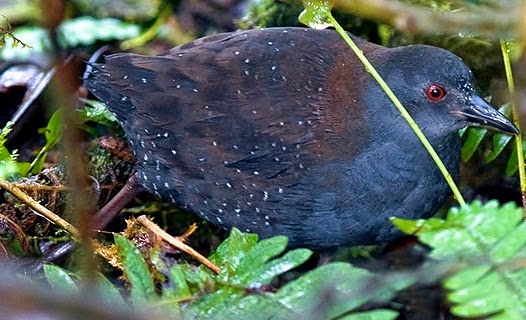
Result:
pixel 283 131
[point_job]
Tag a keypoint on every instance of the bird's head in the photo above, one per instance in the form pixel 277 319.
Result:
pixel 438 90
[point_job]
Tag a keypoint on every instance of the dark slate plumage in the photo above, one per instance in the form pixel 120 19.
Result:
pixel 281 131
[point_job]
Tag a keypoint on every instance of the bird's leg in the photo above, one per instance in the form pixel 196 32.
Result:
pixel 117 203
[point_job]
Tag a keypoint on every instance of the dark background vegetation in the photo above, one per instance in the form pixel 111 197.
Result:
pixel 69 154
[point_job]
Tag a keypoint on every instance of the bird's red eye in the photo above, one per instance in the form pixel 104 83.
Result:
pixel 435 92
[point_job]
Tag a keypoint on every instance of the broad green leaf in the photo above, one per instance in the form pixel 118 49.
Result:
pixel 265 273
pixel 491 237
pixel 511 166
pixel 373 315
pixel 316 14
pixel 54 129
pixel 258 255
pixel 88 30
pixel 109 293
pixel 231 251
pixel 60 279
pixel 473 140
pixel 500 141
pixel 8 168
pixel 136 271
pixel 328 292
pixel 182 289
pixel 349 287
pixel 97 111
pixel 52 133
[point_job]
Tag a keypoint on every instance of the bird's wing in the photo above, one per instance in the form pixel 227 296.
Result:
pixel 270 107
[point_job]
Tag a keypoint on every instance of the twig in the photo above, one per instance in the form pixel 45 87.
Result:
pixel 40 209
pixel 177 243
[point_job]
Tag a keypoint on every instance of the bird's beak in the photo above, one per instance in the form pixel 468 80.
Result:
pixel 479 112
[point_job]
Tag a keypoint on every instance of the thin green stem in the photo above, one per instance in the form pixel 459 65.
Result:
pixel 369 67
pixel 514 118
